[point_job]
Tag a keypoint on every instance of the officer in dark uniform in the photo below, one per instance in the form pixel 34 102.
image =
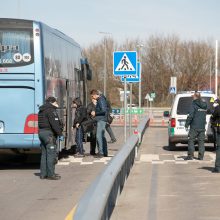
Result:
pixel 50 127
pixel 215 121
pixel 197 121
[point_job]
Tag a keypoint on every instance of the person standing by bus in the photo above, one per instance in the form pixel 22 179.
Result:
pixel 80 116
pixel 50 127
pixel 100 115
pixel 91 107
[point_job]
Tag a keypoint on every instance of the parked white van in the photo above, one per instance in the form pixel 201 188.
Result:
pixel 179 111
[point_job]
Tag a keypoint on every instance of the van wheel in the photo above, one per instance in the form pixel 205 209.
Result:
pixel 172 146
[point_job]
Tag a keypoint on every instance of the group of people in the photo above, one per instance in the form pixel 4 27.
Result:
pixel 50 128
pixel 196 121
pixel 97 110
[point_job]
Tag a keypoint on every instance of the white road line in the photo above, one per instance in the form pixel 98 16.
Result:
pixel 149 157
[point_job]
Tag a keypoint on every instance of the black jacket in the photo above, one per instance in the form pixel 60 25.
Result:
pixel 197 115
pixel 90 107
pixel 80 115
pixel 48 119
pixel 215 117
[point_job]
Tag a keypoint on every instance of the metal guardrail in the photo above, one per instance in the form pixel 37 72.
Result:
pixel 99 200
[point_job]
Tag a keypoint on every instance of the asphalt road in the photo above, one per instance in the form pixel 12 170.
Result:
pixel 23 195
pixel 162 186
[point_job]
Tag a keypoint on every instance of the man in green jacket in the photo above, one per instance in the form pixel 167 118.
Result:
pixel 196 120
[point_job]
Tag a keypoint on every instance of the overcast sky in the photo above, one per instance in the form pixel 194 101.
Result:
pixel 84 19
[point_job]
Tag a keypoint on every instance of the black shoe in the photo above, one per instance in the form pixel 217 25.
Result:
pixel 99 156
pixel 93 154
pixel 55 177
pixel 215 171
pixel 43 177
pixel 105 155
pixel 199 158
pixel 79 155
pixel 188 158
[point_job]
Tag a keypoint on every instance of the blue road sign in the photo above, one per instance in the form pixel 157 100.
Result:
pixel 133 78
pixel 124 63
pixel 172 90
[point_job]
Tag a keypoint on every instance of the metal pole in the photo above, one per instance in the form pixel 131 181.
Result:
pixel 139 60
pixel 105 66
pixel 125 109
pixel 130 115
pixel 210 76
pixel 216 67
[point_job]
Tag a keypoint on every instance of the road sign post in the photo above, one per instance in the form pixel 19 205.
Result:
pixel 125 64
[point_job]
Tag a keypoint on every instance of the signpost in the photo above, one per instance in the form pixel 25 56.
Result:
pixel 173 88
pixel 125 64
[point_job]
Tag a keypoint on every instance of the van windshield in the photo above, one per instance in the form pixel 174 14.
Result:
pixel 185 103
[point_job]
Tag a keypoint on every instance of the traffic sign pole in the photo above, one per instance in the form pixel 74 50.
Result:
pixel 130 116
pixel 125 108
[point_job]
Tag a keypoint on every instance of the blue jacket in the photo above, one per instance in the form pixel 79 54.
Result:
pixel 197 115
pixel 101 109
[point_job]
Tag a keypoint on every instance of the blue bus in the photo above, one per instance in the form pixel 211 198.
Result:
pixel 37 61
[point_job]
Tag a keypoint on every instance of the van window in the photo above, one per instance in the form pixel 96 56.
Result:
pixel 185 103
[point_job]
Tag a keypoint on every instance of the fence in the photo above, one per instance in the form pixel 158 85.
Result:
pixel 99 200
pixel 155 114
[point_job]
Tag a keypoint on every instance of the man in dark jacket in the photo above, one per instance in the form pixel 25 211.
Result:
pixel 91 107
pixel 100 114
pixel 215 121
pixel 80 116
pixel 197 121
pixel 50 127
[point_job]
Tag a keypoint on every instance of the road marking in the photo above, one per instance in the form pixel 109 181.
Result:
pixel 149 157
pixel 84 160
pixel 71 213
pixel 177 159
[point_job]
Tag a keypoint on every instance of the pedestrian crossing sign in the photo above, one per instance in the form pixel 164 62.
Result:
pixel 133 78
pixel 124 63
pixel 172 90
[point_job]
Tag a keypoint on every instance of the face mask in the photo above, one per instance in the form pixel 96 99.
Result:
pixel 215 105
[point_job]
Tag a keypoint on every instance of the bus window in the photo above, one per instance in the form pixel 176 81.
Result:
pixel 15 48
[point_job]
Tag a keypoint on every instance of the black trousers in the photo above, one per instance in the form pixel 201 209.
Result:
pixel 48 153
pixel 93 141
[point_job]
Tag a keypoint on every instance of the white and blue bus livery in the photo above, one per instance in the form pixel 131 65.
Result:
pixel 37 61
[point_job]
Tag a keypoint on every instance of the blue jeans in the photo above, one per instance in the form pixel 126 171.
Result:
pixel 110 132
pixel 79 140
pixel 100 136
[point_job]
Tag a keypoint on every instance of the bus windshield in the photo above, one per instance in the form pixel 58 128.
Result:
pixel 16 47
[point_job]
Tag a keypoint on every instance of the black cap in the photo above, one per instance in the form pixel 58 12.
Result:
pixel 51 99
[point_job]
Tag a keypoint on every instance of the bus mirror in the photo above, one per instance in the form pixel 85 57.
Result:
pixel 89 74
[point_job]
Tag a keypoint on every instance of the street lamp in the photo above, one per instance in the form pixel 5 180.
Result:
pixel 139 46
pixel 105 60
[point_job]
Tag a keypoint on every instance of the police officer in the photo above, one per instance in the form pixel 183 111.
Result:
pixel 50 127
pixel 196 120
pixel 215 121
